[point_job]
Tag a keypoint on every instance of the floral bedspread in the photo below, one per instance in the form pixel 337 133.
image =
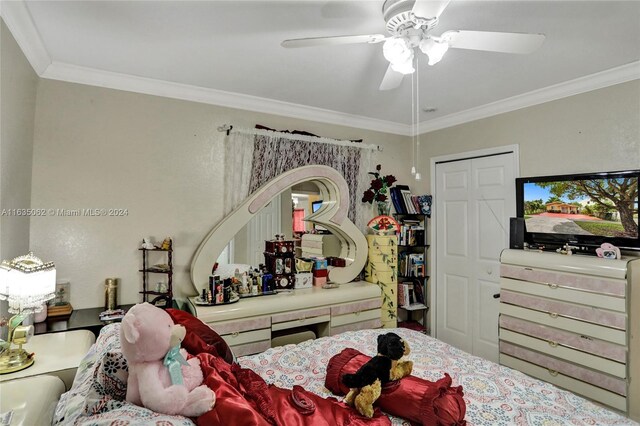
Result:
pixel 495 395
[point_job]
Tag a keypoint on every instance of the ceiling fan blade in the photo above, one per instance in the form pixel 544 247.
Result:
pixel 326 41
pixel 429 9
pixel 391 79
pixel 494 41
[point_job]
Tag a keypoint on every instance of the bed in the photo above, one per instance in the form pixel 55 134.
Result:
pixel 494 395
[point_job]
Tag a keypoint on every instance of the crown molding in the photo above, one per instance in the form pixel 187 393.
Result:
pixel 149 86
pixel 599 80
pixel 18 19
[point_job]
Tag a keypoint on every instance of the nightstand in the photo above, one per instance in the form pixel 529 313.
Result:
pixel 80 319
pixel 56 354
pixel 32 400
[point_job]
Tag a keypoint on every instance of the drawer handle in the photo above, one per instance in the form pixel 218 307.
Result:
pixel 553 344
pixel 552 285
pixel 553 314
pixel 303 318
pixel 554 373
pixel 357 313
pixel 235 334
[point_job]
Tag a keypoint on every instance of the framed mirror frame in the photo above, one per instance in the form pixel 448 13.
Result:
pixel 332 215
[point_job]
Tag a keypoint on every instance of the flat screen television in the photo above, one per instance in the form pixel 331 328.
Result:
pixel 583 210
pixel 315 206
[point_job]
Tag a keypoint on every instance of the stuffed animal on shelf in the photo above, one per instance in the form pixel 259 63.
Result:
pixel 366 384
pixel 159 377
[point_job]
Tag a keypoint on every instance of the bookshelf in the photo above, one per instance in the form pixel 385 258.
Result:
pixel 413 280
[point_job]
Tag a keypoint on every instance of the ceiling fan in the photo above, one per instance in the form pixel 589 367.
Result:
pixel 409 23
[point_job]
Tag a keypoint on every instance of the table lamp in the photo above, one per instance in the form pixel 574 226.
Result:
pixel 26 282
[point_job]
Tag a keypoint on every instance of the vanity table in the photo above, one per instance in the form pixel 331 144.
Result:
pixel 249 325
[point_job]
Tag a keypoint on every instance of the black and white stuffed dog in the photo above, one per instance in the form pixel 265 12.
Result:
pixel 366 383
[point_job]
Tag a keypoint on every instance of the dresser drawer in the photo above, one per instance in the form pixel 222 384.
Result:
pixel 251 348
pixel 554 291
pixel 374 275
pixel 594 284
pixel 362 325
pixel 577 386
pixel 580 327
pixel 564 309
pixel 566 338
pixel 595 378
pixel 382 245
pixel 552 348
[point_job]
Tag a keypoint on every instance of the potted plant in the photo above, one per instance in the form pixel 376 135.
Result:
pixel 379 191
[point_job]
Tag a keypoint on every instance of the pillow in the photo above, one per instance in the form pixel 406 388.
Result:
pixel 200 338
pixel 419 400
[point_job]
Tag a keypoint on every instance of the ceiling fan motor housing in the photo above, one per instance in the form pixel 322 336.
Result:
pixel 400 20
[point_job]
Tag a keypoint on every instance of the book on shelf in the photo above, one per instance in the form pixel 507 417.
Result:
pixel 411 293
pixel 394 193
pixel 411 265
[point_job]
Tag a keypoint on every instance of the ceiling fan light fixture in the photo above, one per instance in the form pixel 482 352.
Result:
pixel 399 53
pixel 434 49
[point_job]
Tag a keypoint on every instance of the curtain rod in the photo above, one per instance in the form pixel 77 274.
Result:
pixel 228 128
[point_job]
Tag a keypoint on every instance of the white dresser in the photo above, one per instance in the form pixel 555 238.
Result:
pixel 249 325
pixel 574 321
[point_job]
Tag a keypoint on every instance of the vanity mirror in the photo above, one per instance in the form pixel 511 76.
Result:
pixel 332 215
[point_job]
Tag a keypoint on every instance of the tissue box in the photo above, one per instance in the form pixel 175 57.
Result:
pixel 319 281
pixel 321 273
pixel 303 280
pixel 319 263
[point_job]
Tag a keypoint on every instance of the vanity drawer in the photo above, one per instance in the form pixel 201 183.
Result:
pixel 583 282
pixel 241 338
pixel 595 378
pixel 565 338
pixel 300 318
pixel 552 348
pixel 362 325
pixel 580 327
pixel 554 291
pixel 569 310
pixel 348 308
pixel 577 386
pixel 228 327
pixel 358 316
pixel 251 348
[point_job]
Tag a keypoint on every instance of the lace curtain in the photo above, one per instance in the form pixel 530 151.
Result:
pixel 253 159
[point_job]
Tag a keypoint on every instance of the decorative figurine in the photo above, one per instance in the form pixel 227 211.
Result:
pixel 147 244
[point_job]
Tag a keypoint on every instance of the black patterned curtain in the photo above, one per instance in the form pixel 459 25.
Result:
pixel 273 155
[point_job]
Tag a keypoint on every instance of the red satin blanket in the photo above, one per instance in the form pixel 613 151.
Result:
pixel 244 399
pixel 412 398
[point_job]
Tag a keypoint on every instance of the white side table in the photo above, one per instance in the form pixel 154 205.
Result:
pixel 32 400
pixel 56 354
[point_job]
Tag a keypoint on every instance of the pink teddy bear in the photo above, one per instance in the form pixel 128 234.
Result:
pixel 147 334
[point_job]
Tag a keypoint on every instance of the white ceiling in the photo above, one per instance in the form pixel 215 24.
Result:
pixel 234 46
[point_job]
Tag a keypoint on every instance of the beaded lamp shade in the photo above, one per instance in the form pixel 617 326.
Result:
pixel 27 282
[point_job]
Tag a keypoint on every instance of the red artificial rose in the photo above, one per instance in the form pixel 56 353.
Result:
pixel 376 184
pixel 381 197
pixel 390 179
pixel 367 197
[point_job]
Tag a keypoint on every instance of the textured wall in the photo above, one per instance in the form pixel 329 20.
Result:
pixel 161 159
pixel 18 86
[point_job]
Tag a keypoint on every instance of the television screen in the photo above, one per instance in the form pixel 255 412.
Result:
pixel 315 206
pixel 583 209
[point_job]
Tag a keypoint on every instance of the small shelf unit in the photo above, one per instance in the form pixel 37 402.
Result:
pixel 413 230
pixel 163 299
